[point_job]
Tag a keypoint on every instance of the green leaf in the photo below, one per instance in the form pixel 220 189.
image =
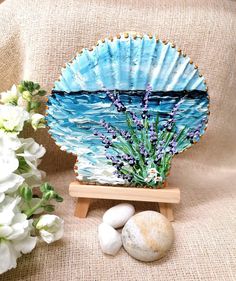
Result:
pixel 156 123
pixel 35 105
pixel 58 198
pixel 30 86
pixel 42 93
pixel 36 86
pixel 49 208
pixel 45 187
pixel 131 129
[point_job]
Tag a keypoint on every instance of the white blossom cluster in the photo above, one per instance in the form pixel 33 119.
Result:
pixel 20 222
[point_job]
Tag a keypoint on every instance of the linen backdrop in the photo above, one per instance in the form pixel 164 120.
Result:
pixel 38 37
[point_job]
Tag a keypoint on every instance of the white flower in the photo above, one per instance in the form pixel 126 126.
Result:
pixel 15 237
pixel 50 228
pixel 2 196
pixel 22 103
pixel 8 162
pixel 37 121
pixel 30 149
pixel 12 118
pixel 31 152
pixel 9 182
pixel 33 176
pixel 152 176
pixel 9 141
pixel 10 97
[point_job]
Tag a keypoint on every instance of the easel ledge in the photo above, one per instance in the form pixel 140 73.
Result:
pixel 165 197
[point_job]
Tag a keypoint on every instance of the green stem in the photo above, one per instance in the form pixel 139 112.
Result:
pixel 30 212
pixel 28 106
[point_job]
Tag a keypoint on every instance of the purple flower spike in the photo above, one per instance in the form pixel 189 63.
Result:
pixel 153 135
pixel 129 159
pixel 137 122
pixel 169 124
pixel 116 101
pixel 106 141
pixel 177 105
pixel 160 152
pixel 143 151
pixel 125 134
pixel 144 103
pixel 108 127
pixel 172 149
pixel 194 135
pixel 115 161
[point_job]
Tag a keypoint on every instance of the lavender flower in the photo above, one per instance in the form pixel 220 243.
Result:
pixel 143 151
pixel 144 103
pixel 129 159
pixel 108 127
pixel 125 134
pixel 159 154
pixel 153 134
pixel 176 106
pixel 137 122
pixel 123 176
pixel 170 122
pixel 172 149
pixel 128 177
pixel 116 101
pixel 106 141
pixel 147 143
pixel 194 135
pixel 115 161
pixel 112 158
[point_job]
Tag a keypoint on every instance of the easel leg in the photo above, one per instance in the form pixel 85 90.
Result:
pixel 166 210
pixel 82 206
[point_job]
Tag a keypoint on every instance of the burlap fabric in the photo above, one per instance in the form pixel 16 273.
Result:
pixel 38 37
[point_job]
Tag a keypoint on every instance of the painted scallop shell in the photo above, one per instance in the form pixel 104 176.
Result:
pixel 126 63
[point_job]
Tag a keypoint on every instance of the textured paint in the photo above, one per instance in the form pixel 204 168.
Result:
pixel 79 102
pixel 73 118
pixel 129 64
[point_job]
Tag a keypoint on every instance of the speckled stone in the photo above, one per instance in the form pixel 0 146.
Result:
pixel 147 236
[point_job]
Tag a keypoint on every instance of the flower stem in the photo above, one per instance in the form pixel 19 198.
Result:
pixel 30 212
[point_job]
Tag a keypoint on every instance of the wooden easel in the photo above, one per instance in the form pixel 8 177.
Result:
pixel 85 192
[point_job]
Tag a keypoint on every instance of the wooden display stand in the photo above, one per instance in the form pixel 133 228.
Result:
pixel 85 192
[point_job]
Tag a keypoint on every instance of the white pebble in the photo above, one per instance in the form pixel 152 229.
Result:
pixel 110 239
pixel 147 236
pixel 118 215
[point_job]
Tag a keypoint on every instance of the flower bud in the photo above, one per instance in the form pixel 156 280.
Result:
pixel 27 96
pixel 50 228
pixel 49 195
pixel 37 121
pixel 20 88
pixel 26 192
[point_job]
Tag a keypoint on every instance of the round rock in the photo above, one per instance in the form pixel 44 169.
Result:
pixel 118 215
pixel 147 236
